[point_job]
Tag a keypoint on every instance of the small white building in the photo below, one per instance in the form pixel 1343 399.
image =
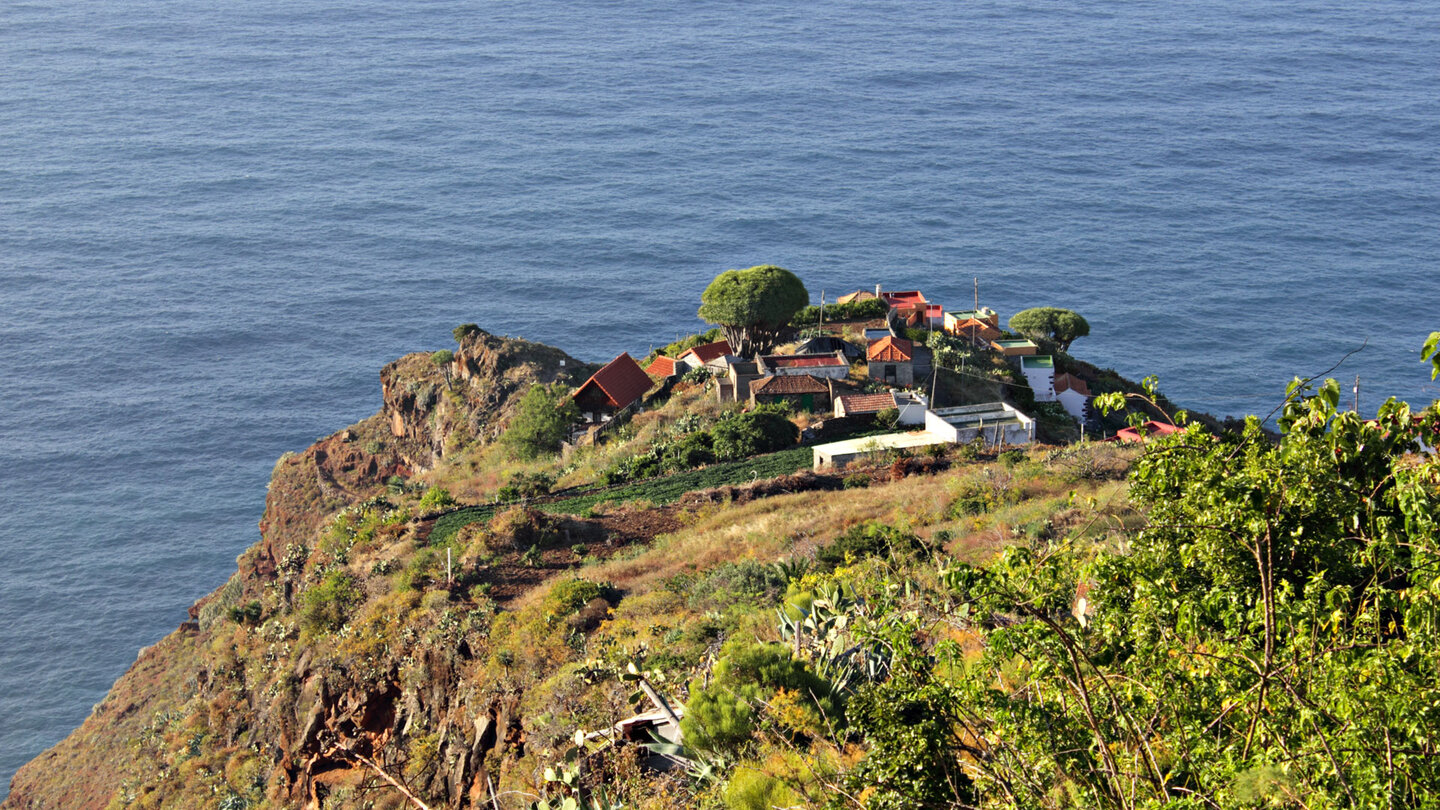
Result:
pixel 911 406
pixel 838 454
pixel 994 422
pixel 1073 394
pixel 1039 371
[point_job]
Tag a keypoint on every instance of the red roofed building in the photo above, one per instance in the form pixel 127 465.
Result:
pixel 975 330
pixel 663 367
pixel 910 308
pixel 612 388
pixel 1143 434
pixel 703 355
pixel 911 407
pixel 806 392
pixel 1073 394
pixel 891 359
pixel 903 298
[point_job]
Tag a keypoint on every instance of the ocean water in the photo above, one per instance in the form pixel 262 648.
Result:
pixel 218 220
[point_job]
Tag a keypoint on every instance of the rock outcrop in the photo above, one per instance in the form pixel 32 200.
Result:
pixel 244 691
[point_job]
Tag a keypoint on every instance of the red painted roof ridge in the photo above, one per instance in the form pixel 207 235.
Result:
pixel 709 351
pixel 789 384
pixel 622 380
pixel 890 349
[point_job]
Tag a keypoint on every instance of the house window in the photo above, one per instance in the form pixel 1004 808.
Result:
pixel 890 373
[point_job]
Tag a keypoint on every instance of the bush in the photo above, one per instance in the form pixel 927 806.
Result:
pixel 834 313
pixel 326 606
pixel 523 486
pixel 568 596
pixel 465 330
pixel 887 419
pixel 868 539
pixel 763 430
pixel 722 715
pixel 542 422
pixel 435 499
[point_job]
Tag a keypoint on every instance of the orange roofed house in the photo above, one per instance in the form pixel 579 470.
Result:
pixel 612 389
pixel 892 360
pixel 663 367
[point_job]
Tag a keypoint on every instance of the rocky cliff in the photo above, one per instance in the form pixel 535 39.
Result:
pixel 256 699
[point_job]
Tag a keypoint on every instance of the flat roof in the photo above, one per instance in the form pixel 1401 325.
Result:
pixel 990 413
pixel 1037 361
pixel 1015 342
pixel 886 441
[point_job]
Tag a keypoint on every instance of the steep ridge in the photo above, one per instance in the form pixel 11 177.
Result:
pixel 429 409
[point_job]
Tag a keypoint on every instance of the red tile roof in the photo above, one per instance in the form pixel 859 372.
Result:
pixel 788 384
pixel 663 366
pixel 1151 428
pixel 1069 382
pixel 802 360
pixel 975 329
pixel 898 298
pixel 620 382
pixel 710 351
pixel 866 403
pixel 890 349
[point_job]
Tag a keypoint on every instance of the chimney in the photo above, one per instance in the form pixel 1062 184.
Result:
pixel 877 290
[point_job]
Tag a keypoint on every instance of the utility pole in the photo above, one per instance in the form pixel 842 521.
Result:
pixel 977 295
pixel 822 308
pixel 1357 394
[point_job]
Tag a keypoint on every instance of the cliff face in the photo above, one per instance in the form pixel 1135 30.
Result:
pixel 431 409
pixel 257 689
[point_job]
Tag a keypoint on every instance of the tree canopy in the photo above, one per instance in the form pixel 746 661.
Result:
pixel 542 422
pixel 1050 323
pixel 753 307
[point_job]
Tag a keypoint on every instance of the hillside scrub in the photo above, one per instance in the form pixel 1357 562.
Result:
pixel 1215 619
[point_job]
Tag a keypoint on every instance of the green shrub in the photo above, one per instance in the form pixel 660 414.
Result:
pixel 763 430
pixel 887 419
pixel 465 330
pixel 732 583
pixel 542 422
pixel 723 714
pixel 523 486
pixel 326 606
pixel 435 499
pixel 870 539
pixel 568 596
pixel 853 311
pixel 249 613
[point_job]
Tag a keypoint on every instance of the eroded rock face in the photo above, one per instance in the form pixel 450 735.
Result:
pixel 432 409
pixel 310 718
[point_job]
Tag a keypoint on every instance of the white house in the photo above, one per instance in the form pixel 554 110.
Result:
pixel 1039 371
pixel 994 422
pixel 1073 394
pixel 911 406
pixel 838 454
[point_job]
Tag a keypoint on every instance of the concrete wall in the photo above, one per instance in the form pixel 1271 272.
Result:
pixel 904 372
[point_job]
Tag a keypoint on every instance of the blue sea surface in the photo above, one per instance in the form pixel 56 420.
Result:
pixel 219 220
